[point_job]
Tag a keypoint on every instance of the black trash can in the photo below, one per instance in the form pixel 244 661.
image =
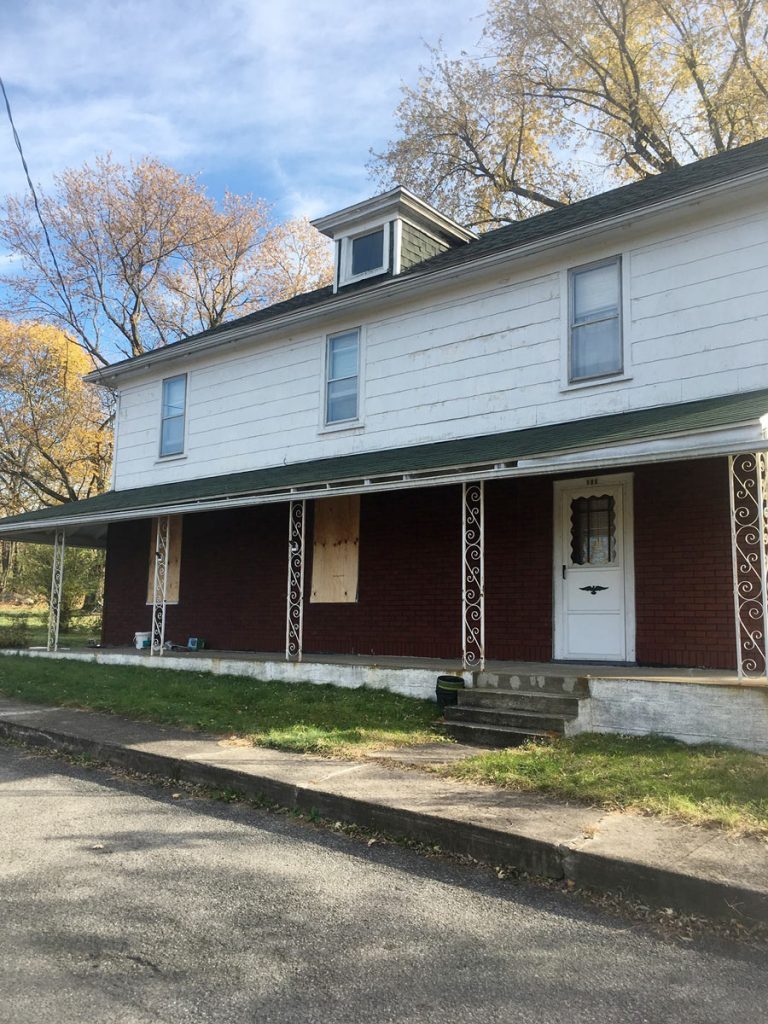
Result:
pixel 447 690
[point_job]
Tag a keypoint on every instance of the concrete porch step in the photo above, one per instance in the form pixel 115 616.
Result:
pixel 522 700
pixel 532 682
pixel 491 735
pixel 508 719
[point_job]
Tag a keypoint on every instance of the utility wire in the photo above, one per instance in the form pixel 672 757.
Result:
pixel 17 140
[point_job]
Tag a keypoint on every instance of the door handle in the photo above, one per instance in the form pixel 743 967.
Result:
pixel 563 572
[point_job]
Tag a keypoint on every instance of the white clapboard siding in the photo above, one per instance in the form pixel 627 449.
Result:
pixel 479 357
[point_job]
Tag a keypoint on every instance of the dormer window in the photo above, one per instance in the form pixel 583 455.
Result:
pixel 368 252
pixel 365 254
pixel 387 235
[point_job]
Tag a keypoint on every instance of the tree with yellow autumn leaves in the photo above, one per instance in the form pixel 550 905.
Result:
pixel 54 441
pixel 55 446
pixel 567 97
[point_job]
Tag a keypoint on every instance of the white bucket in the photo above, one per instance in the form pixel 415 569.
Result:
pixel 141 640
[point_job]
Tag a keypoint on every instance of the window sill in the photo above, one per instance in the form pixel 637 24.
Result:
pixel 596 382
pixel 170 458
pixel 346 426
pixel 343 280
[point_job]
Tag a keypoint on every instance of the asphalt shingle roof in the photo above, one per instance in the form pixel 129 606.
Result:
pixel 510 446
pixel 635 196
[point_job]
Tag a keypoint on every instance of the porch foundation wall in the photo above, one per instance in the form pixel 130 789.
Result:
pixel 690 712
pixel 413 682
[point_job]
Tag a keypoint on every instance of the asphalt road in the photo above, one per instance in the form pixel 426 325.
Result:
pixel 121 904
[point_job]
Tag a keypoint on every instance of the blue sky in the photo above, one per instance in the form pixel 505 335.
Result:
pixel 282 99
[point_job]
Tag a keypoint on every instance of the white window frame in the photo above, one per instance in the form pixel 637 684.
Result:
pixel 164 457
pixel 566 313
pixel 357 422
pixel 345 270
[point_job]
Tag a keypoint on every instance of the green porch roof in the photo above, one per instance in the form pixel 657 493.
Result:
pixel 459 455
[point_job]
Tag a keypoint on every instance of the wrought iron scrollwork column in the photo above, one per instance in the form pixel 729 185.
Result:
pixel 160 588
pixel 749 546
pixel 57 582
pixel 473 575
pixel 295 611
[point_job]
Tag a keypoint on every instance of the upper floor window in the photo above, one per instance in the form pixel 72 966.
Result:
pixel 368 252
pixel 594 334
pixel 173 413
pixel 365 254
pixel 342 377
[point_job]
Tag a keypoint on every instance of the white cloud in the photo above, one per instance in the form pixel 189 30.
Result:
pixel 283 99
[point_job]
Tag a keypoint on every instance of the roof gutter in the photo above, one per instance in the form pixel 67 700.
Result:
pixel 402 287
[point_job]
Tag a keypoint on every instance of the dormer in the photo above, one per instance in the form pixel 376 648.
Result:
pixel 387 235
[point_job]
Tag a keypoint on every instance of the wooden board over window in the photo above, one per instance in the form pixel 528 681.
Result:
pixel 336 549
pixel 174 561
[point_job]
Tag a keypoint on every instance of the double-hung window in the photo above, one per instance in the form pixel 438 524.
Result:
pixel 595 347
pixel 173 414
pixel 342 377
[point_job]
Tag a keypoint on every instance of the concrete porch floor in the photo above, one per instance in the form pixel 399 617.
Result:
pixel 582 670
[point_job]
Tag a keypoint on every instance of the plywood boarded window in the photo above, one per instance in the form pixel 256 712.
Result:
pixel 174 561
pixel 336 549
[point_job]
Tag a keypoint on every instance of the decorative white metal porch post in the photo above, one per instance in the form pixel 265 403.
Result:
pixel 57 581
pixel 473 575
pixel 294 622
pixel 160 588
pixel 749 548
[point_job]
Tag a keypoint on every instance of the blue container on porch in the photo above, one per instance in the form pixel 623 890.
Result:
pixel 447 690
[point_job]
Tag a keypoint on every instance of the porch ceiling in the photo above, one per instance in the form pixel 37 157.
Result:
pixel 423 464
pixel 79 535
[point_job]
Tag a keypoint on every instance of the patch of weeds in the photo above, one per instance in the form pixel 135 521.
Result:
pixel 706 785
pixel 17 633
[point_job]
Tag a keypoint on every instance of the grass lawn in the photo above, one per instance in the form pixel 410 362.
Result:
pixel 35 634
pixel 290 716
pixel 708 785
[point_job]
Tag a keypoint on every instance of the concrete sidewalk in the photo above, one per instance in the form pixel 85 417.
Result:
pixel 691 869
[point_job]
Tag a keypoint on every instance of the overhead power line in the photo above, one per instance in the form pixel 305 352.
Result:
pixel 17 140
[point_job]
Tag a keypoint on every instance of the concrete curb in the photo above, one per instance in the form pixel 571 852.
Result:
pixel 686 892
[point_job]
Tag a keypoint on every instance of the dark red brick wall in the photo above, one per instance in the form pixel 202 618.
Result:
pixel 125 584
pixel 232 586
pixel 409 588
pixel 518 569
pixel 233 574
pixel 683 574
pixel 233 581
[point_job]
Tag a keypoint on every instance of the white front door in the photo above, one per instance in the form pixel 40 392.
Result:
pixel 594 569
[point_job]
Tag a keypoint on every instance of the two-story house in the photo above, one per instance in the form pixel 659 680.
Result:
pixel 542 445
